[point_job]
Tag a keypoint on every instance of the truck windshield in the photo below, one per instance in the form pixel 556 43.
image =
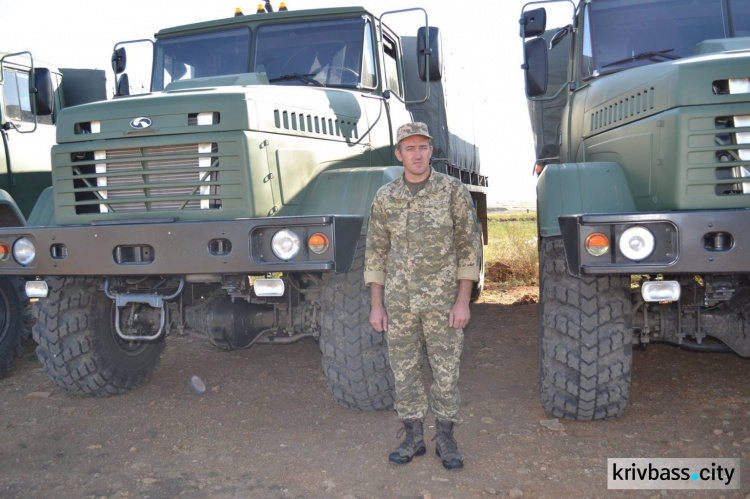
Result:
pixel 620 34
pixel 197 56
pixel 327 53
pixel 322 53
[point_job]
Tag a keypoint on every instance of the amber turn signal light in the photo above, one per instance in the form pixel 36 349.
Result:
pixel 4 251
pixel 318 243
pixel 597 244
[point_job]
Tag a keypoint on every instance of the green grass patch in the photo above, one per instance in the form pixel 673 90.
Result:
pixel 511 255
pixel 513 216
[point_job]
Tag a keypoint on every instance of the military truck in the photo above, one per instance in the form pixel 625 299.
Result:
pixel 231 201
pixel 31 96
pixel 641 118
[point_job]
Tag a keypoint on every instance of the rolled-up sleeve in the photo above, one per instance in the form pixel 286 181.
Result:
pixel 466 235
pixel 378 244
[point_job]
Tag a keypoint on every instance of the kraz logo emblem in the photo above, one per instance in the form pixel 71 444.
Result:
pixel 140 123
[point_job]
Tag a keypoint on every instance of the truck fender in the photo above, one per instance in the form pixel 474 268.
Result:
pixel 10 214
pixel 577 188
pixel 43 213
pixel 348 191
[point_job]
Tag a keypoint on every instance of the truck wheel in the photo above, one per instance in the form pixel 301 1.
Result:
pixel 585 347
pixel 355 356
pixel 79 346
pixel 13 319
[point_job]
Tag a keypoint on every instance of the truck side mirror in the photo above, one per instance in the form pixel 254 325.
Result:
pixel 119 60
pixel 41 89
pixel 535 67
pixel 533 22
pixel 435 52
pixel 123 85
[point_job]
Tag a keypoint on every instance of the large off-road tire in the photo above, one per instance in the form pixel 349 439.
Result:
pixel 585 345
pixel 79 346
pixel 13 319
pixel 355 356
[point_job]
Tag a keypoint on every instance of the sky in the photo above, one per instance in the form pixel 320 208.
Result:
pixel 483 54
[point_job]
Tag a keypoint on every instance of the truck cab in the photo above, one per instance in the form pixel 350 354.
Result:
pixel 28 128
pixel 31 98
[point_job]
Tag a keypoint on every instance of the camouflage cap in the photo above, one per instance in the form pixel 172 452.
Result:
pixel 416 128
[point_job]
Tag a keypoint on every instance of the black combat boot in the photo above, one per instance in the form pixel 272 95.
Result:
pixel 413 444
pixel 446 447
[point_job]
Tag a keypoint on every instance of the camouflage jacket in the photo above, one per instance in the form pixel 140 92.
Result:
pixel 418 247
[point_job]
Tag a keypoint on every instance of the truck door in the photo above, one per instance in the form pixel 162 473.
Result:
pixel 394 82
pixel 382 138
pixel 26 169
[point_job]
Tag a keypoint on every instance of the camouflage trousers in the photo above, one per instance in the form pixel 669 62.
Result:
pixel 406 336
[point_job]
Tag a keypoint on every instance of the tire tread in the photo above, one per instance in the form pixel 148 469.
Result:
pixel 355 357
pixel 69 344
pixel 11 339
pixel 584 341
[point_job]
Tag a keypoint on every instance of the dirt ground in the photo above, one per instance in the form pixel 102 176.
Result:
pixel 267 427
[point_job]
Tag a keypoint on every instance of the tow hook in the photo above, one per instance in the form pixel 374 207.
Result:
pixel 153 300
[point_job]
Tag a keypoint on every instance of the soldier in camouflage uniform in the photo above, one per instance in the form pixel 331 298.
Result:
pixel 424 248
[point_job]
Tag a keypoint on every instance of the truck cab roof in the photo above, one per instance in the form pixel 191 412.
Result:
pixel 306 14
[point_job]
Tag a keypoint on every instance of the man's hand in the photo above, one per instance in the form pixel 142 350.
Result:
pixel 379 319
pixel 378 316
pixel 460 314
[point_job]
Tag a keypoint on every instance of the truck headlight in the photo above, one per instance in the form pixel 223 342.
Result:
pixel 24 251
pixel 637 243
pixel 285 244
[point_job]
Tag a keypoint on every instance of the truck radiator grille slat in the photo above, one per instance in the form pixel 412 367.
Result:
pixel 739 150
pixel 735 153
pixel 159 178
pixel 718 151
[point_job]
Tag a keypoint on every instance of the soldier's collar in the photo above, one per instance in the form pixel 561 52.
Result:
pixel 429 186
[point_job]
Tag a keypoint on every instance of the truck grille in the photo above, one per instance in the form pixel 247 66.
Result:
pixel 158 178
pixel 739 150
pixel 718 150
pixel 737 175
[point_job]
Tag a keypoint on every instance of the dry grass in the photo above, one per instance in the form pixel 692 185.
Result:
pixel 512 266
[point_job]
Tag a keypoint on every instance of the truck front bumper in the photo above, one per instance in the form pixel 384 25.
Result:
pixel 169 247
pixel 694 242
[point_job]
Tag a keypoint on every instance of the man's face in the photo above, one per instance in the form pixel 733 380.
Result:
pixel 415 153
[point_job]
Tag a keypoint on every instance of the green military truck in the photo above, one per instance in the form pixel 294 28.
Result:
pixel 231 201
pixel 641 117
pixel 31 96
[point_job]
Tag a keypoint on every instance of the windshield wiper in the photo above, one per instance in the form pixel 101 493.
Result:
pixel 649 54
pixel 298 76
